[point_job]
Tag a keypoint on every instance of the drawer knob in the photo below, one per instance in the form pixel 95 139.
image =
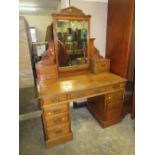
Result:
pixel 49 113
pixel 109 97
pixel 63 118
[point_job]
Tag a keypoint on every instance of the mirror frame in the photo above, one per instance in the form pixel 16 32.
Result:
pixel 71 13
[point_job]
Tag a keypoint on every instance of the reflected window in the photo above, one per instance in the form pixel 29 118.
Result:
pixel 33 33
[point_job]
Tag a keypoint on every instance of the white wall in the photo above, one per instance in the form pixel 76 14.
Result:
pixel 98 11
pixel 41 23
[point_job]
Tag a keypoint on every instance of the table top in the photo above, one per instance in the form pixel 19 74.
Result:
pixel 77 83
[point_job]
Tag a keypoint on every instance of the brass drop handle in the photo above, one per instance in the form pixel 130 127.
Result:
pixel 49 113
pixel 109 97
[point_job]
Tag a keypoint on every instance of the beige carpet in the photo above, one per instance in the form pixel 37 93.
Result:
pixel 89 137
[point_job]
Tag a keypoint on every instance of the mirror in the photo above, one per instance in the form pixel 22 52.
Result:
pixel 72 35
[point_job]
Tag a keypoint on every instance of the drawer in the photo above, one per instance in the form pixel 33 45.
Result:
pixel 86 93
pixel 116 86
pixel 114 114
pixel 48 69
pixel 44 77
pixel 78 94
pixel 54 99
pixel 101 65
pixel 113 97
pixel 96 91
pixel 114 105
pixel 56 119
pixel 56 109
pixel 57 130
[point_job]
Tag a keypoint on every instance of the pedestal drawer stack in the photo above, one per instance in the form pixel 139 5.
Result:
pixel 107 109
pixel 114 106
pixel 56 121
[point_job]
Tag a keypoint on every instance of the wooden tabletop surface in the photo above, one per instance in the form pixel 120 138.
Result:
pixel 76 83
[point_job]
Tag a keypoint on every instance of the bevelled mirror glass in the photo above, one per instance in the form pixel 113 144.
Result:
pixel 72 38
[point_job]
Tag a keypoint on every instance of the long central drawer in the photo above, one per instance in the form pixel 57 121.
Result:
pixel 81 94
pixel 96 91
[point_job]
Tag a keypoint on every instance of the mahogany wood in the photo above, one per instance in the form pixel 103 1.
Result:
pixel 119 34
pixel 120 47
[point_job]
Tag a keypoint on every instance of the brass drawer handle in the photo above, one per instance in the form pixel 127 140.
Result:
pixel 109 97
pixel 49 113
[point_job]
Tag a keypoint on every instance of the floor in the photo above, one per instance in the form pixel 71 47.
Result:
pixel 89 138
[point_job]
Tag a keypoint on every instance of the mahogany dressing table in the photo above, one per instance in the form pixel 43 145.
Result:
pixel 83 74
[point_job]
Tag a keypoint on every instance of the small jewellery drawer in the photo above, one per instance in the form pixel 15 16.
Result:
pixel 114 114
pixel 56 109
pixel 56 119
pixel 116 86
pixel 54 99
pixel 49 69
pixel 102 66
pixel 57 131
pixel 112 97
pixel 114 105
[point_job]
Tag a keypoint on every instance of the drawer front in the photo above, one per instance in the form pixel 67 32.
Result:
pixel 101 66
pixel 44 77
pixel 113 97
pixel 114 105
pixel 116 86
pixel 114 114
pixel 47 70
pixel 86 93
pixel 56 109
pixel 57 131
pixel 54 99
pixel 79 94
pixel 56 119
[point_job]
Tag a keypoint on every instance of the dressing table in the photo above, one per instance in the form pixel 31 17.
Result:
pixel 84 75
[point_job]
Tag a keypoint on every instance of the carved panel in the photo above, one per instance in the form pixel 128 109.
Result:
pixel 72 11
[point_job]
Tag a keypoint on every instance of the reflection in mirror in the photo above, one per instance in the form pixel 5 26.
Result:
pixel 72 35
